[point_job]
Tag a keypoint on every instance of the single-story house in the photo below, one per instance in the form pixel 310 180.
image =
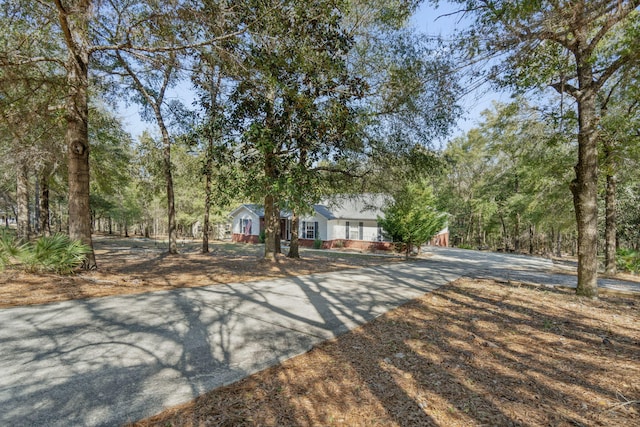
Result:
pixel 343 221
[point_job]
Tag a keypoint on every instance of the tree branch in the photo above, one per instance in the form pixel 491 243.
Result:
pixel 130 48
pixel 337 170
pixel 566 88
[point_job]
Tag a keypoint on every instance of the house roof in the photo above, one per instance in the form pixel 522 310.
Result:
pixel 324 211
pixel 357 207
pixel 256 209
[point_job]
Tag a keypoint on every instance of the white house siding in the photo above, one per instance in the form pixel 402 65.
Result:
pixel 322 226
pixel 243 214
pixel 337 230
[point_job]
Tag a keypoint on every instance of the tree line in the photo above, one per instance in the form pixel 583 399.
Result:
pixel 293 101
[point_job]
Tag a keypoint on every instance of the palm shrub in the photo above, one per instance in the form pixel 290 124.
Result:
pixel 56 253
pixel 9 249
pixel 628 260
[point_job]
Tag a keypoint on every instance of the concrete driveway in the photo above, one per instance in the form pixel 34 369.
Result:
pixel 107 361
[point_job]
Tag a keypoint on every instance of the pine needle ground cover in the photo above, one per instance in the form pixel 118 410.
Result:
pixel 135 265
pixel 473 353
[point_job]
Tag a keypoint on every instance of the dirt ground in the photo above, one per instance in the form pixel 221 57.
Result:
pixel 473 353
pixel 136 265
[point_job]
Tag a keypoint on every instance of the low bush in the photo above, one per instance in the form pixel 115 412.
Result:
pixel 628 260
pixel 9 249
pixel 57 254
pixel 464 246
pixel 317 244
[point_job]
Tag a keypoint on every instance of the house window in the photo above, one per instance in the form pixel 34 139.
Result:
pixel 346 230
pixel 309 230
pixel 354 231
pixel 246 226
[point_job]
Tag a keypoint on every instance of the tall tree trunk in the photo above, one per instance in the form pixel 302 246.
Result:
pixel 168 176
pixel 277 232
pixel 214 90
pixel 155 100
pixel 207 199
pixel 271 219
pixel 610 226
pixel 22 199
pixel 270 228
pixel 75 26
pixel 294 245
pixel 505 235
pixel 45 225
pixel 585 186
pixel 36 206
pixel 207 207
pixel 516 239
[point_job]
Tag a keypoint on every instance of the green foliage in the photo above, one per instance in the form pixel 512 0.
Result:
pixel 511 172
pixel 628 260
pixel 262 236
pixel 9 248
pixel 317 244
pixel 57 254
pixel 412 218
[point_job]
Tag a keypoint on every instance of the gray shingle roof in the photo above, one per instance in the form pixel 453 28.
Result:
pixel 357 207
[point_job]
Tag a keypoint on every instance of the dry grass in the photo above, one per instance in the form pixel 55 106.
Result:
pixel 472 353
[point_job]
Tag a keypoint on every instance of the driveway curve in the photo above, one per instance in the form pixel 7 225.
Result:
pixel 108 361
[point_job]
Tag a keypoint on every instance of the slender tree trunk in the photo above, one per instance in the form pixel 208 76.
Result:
pixel 294 245
pixel 610 226
pixel 214 90
pixel 168 176
pixel 75 25
pixel 45 225
pixel 36 206
pixel 207 200
pixel 516 239
pixel 531 234
pixel 505 237
pixel 22 199
pixel 270 219
pixel 277 232
pixel 585 186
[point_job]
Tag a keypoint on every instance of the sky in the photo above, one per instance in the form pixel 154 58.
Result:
pixel 433 22
pixel 427 20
